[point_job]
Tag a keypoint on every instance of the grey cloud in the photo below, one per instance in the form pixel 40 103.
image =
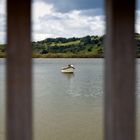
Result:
pixel 53 17
pixel 2 23
pixel 69 5
pixel 138 4
pixel 66 16
pixel 70 24
pixel 92 12
pixel 1 15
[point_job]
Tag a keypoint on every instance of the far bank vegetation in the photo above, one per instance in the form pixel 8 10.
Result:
pixel 84 47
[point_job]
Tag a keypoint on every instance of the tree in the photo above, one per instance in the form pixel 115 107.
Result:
pixel 86 40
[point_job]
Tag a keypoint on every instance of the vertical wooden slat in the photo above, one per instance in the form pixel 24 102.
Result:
pixel 19 98
pixel 120 70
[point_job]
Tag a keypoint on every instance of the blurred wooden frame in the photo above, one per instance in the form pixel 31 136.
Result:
pixel 19 76
pixel 119 71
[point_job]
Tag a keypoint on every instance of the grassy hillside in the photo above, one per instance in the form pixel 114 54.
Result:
pixel 89 46
pixel 85 47
pixel 2 50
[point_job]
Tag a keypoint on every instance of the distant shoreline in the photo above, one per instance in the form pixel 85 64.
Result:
pixel 60 55
pixel 84 47
pixel 64 55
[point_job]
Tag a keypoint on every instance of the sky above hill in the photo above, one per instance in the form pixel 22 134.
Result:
pixel 65 18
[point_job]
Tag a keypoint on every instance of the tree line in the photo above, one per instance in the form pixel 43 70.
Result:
pixel 88 46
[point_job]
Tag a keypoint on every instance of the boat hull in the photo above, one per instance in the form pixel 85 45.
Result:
pixel 69 70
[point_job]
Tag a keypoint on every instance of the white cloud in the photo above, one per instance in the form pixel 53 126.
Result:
pixel 40 9
pixel 39 36
pixel 3 7
pixel 2 37
pixel 47 22
pixel 137 27
pixel 2 21
pixel 50 23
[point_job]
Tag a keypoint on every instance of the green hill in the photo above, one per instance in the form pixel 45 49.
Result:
pixel 89 46
pixel 2 50
pixel 85 47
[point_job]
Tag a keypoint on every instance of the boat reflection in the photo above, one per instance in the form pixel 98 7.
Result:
pixel 69 75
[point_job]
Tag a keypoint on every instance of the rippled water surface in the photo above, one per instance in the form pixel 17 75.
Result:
pixel 66 106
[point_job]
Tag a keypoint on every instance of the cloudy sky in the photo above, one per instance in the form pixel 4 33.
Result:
pixel 64 18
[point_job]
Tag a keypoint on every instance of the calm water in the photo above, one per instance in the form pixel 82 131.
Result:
pixel 66 106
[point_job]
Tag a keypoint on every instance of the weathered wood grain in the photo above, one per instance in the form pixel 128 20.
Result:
pixel 19 97
pixel 120 70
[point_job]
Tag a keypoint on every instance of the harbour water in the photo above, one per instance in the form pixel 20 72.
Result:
pixel 65 106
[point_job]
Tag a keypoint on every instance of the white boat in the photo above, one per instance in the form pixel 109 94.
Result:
pixel 68 69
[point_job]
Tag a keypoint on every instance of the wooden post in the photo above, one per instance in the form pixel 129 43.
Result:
pixel 120 70
pixel 19 97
